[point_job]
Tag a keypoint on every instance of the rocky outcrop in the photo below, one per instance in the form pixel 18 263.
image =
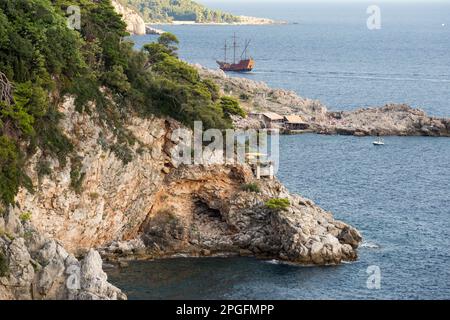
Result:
pixel 150 30
pixel 257 96
pixel 392 119
pixel 135 24
pixel 33 266
pixel 133 199
pixel 202 211
pixel 175 209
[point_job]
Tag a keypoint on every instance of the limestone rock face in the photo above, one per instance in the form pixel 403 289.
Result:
pixel 133 199
pixel 113 198
pixel 204 209
pixel 186 209
pixel 36 267
pixel 135 24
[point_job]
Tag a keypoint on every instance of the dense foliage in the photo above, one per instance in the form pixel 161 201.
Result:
pixel 42 59
pixel 230 106
pixel 180 10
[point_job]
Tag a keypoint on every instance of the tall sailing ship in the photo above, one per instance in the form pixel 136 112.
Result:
pixel 244 65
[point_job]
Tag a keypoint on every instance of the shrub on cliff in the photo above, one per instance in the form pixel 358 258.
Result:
pixel 11 174
pixel 230 106
pixel 251 187
pixel 277 204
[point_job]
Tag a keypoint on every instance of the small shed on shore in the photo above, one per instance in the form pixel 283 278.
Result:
pixel 272 120
pixel 295 122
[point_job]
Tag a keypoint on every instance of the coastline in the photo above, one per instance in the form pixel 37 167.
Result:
pixel 246 21
pixel 103 187
pixel 258 99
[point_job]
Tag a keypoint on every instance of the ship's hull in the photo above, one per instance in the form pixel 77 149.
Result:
pixel 242 66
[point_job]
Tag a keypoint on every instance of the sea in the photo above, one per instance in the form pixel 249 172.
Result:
pixel 397 195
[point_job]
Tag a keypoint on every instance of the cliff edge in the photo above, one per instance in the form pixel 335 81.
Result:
pixel 135 24
pixel 151 206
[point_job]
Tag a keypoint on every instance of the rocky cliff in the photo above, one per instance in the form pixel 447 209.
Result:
pixel 208 210
pixel 112 198
pixel 393 119
pixel 135 200
pixel 135 24
pixel 33 266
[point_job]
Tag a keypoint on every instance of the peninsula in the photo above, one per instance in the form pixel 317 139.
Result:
pixel 183 12
pixel 267 107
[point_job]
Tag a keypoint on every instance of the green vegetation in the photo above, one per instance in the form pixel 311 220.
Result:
pixel 123 152
pixel 244 96
pixel 230 106
pixel 278 204
pixel 179 10
pixel 251 187
pixel 41 60
pixel 9 170
pixel 25 216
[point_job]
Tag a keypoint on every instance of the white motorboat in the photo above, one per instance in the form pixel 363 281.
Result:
pixel 379 142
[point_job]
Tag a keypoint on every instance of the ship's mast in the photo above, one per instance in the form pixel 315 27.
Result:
pixel 244 53
pixel 226 49
pixel 234 48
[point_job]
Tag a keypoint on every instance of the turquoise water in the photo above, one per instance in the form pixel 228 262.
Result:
pixel 398 195
pixel 330 54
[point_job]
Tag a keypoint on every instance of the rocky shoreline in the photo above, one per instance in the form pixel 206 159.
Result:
pixel 206 212
pixel 35 267
pixel 147 208
pixel 389 120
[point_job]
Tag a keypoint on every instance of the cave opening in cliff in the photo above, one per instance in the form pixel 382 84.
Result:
pixel 203 209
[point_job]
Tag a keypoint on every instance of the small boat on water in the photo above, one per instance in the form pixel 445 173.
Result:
pixel 379 142
pixel 245 64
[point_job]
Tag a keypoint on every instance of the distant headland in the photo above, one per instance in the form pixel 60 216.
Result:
pixel 139 13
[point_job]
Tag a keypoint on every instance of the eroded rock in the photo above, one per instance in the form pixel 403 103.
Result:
pixel 205 208
pixel 36 267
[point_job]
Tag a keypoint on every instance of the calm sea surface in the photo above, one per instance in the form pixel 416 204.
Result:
pixel 398 195
pixel 330 54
